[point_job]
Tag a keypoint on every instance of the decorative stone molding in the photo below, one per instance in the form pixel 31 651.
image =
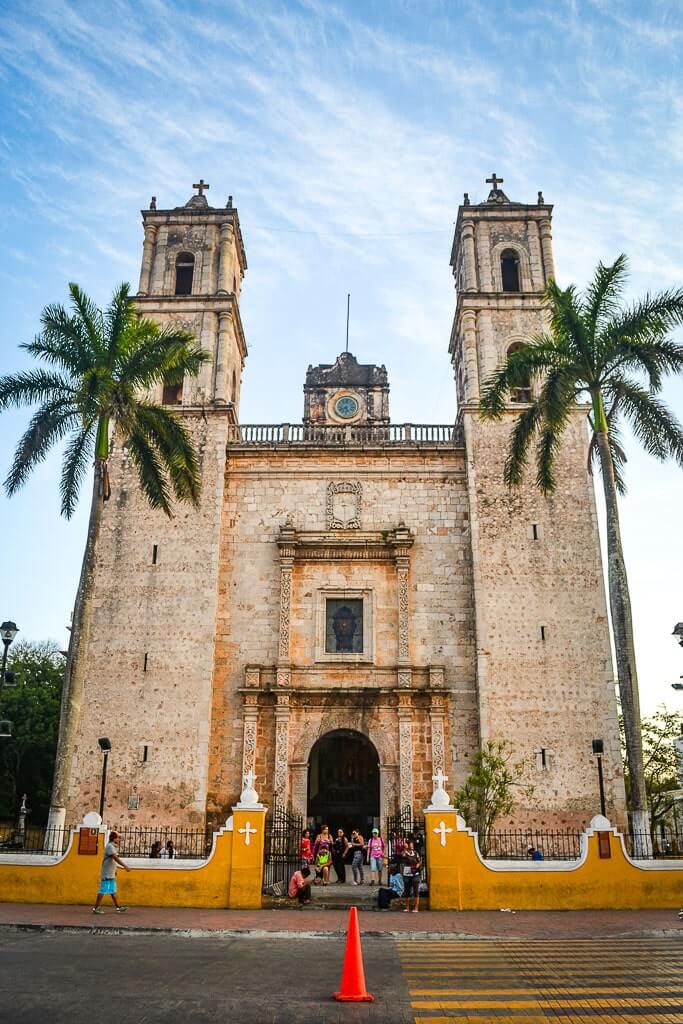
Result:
pixel 283 676
pixel 437 679
pixel 343 506
pixel 438 745
pixel 250 715
pixel 299 772
pixel 252 676
pixel 281 781
pixel 285 603
pixel 403 619
pixel 405 745
pixel 331 546
pixel 405 678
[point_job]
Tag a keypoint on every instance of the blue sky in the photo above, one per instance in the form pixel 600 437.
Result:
pixel 347 134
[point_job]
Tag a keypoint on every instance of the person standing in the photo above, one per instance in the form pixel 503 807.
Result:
pixel 305 848
pixel 339 850
pixel 110 862
pixel 358 848
pixel 322 854
pixel 411 875
pixel 375 856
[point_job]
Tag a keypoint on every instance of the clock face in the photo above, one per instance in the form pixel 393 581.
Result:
pixel 346 407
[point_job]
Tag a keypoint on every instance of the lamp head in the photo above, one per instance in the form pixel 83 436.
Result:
pixel 105 744
pixel 598 747
pixel 8 631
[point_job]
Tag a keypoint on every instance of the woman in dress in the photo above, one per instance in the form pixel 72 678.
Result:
pixel 411 875
pixel 358 848
pixel 322 854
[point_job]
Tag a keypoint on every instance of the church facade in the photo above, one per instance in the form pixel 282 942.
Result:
pixel 357 604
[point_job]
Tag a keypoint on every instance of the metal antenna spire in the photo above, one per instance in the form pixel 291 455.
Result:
pixel 348 306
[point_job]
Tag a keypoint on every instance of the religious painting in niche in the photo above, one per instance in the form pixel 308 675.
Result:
pixel 343 626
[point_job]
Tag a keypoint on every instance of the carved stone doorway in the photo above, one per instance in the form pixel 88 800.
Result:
pixel 343 782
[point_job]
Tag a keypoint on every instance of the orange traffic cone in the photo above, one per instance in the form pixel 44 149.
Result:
pixel 353 976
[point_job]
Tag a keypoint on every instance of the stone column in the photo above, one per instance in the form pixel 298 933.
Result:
pixel 469 256
pixel 536 259
pixel 484 252
pixel 299 790
pixel 221 393
pixel 469 342
pixel 225 247
pixel 281 781
pixel 387 791
pixel 405 750
pixel 159 264
pixel 436 716
pixel 287 541
pixel 250 713
pixel 147 254
pixel 547 249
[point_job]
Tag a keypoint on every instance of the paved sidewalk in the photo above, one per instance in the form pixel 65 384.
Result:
pixel 475 924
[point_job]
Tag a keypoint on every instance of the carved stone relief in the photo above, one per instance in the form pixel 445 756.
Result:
pixel 405 744
pixel 343 508
pixel 285 601
pixel 438 752
pixel 403 626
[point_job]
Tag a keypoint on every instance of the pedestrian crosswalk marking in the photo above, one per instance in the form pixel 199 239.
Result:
pixel 501 980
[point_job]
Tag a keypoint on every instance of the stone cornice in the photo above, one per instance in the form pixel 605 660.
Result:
pixel 345 545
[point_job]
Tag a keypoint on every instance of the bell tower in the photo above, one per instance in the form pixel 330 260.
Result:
pixel 193 263
pixel 545 681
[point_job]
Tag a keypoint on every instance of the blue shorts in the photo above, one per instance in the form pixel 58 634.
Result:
pixel 107 887
pixel 375 863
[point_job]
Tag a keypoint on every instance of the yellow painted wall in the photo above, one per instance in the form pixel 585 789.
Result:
pixel 460 880
pixel 231 877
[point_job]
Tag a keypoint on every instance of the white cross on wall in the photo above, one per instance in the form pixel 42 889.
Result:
pixel 441 830
pixel 248 832
pixel 440 778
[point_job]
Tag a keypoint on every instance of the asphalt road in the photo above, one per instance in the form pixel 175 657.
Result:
pixel 58 977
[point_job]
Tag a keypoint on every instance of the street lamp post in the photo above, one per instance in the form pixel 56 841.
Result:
pixel 598 750
pixel 105 747
pixel 8 631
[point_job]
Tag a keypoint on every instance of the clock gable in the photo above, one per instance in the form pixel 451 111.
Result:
pixel 346 392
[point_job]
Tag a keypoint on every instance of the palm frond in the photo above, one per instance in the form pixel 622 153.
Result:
pixel 555 403
pixel 77 458
pixel 63 340
pixel 602 297
pixel 166 433
pixel 91 318
pixel 119 316
pixel 647 320
pixel 165 355
pixel 31 386
pixel 517 370
pixel 49 424
pixel 521 437
pixel 566 323
pixel 654 356
pixel 150 472
pixel 652 422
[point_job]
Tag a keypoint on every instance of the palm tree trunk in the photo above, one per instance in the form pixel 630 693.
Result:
pixel 74 675
pixel 622 627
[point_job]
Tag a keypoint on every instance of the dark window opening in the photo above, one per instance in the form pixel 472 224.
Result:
pixel 173 394
pixel 509 269
pixel 544 760
pixel 234 387
pixel 522 393
pixel 542 632
pixel 155 551
pixel 534 530
pixel 144 664
pixel 234 283
pixel 184 272
pixel 145 752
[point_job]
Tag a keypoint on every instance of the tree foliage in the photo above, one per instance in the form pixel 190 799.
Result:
pixel 663 770
pixel 489 789
pixel 32 705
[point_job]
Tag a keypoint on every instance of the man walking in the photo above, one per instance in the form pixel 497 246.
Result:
pixel 110 863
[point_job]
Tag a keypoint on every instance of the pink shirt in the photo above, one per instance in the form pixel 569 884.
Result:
pixel 376 847
pixel 296 882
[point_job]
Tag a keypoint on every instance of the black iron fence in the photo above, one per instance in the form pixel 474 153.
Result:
pixel 522 844
pixel 165 843
pixel 282 855
pixel 643 846
pixel 402 826
pixel 33 840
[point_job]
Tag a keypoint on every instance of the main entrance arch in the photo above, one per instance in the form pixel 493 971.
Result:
pixel 343 782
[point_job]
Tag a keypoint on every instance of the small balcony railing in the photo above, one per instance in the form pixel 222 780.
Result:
pixel 430 435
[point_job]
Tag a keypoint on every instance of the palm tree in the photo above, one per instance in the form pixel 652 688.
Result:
pixel 100 367
pixel 598 351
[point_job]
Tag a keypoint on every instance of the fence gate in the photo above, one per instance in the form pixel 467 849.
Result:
pixel 281 854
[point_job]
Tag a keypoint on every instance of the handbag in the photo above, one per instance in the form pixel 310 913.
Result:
pixel 322 858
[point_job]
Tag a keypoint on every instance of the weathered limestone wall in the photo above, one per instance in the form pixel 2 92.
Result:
pixel 425 490
pixel 552 690
pixel 150 657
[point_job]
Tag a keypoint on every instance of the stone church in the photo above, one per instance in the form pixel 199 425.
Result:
pixel 357 603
